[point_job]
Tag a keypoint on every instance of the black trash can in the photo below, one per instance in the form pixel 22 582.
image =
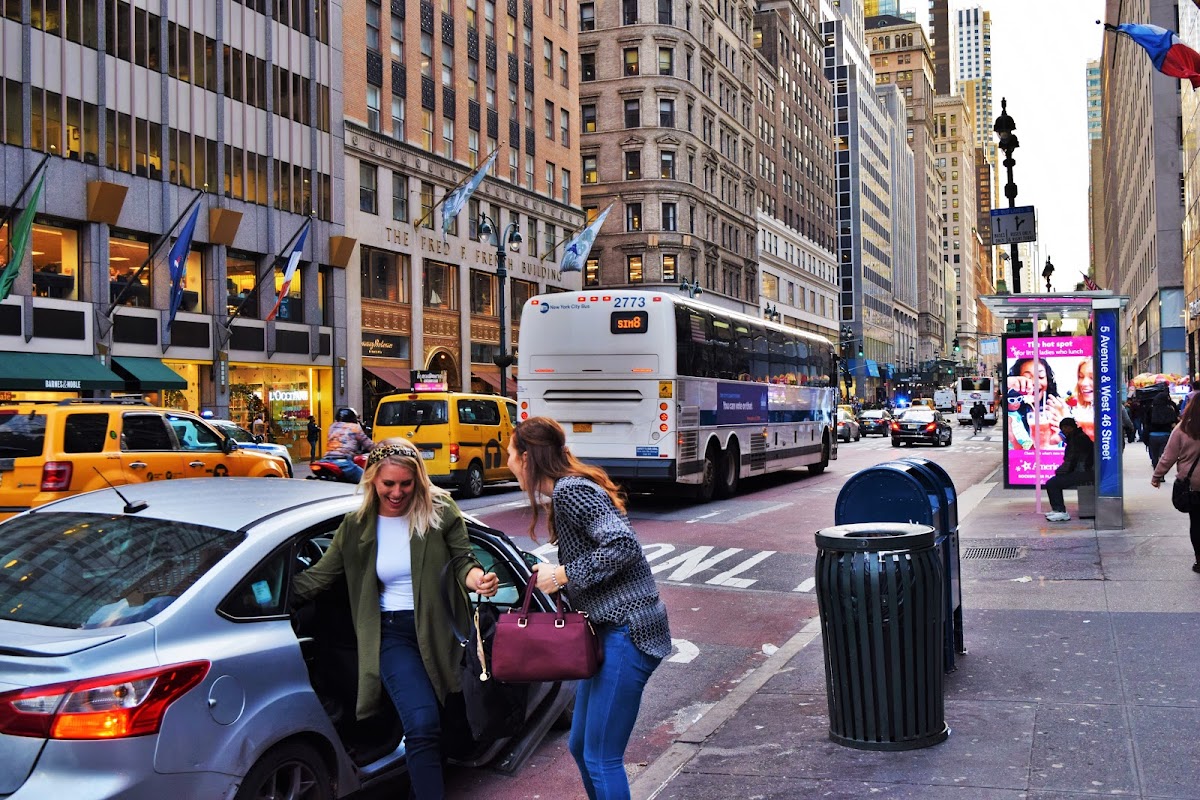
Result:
pixel 879 591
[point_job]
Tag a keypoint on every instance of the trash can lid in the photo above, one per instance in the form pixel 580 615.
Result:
pixel 873 537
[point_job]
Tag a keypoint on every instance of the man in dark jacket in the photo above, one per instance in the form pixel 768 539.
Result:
pixel 1160 421
pixel 978 412
pixel 1077 469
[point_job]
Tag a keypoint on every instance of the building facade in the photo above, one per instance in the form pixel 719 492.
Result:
pixel 1095 116
pixel 231 105
pixel 907 209
pixel 954 142
pixel 432 91
pixel 942 42
pixel 973 45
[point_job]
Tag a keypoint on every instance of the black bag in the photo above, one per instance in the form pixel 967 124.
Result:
pixel 1163 413
pixel 493 709
pixel 1182 497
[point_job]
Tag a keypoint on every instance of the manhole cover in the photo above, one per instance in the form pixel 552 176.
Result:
pixel 977 553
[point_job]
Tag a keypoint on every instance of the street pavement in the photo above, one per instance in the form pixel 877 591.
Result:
pixel 1082 676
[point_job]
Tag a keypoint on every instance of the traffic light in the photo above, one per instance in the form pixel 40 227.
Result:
pixel 860 351
pixel 956 347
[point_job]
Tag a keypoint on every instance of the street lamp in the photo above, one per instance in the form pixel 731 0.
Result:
pixel 1004 127
pixel 693 288
pixel 510 238
pixel 1047 272
pixel 772 313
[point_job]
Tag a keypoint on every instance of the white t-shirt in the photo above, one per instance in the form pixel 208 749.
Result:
pixel 393 564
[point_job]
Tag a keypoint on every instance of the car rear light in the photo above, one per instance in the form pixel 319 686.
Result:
pixel 931 427
pixel 454 454
pixel 895 426
pixel 56 476
pixel 106 707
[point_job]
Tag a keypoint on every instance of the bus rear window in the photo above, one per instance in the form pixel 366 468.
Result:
pixel 411 412
pixel 977 384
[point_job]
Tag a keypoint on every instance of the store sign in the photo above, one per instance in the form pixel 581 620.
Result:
pixel 1108 416
pixel 425 381
pixel 287 395
pixel 381 345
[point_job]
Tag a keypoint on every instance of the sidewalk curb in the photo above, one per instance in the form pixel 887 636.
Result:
pixel 663 769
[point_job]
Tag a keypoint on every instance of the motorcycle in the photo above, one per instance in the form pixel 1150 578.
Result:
pixel 333 469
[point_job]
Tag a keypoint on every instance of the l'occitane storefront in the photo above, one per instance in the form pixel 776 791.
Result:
pixel 287 396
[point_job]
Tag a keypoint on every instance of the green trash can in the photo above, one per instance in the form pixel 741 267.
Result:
pixel 879 591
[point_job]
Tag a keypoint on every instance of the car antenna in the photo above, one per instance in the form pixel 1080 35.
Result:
pixel 130 507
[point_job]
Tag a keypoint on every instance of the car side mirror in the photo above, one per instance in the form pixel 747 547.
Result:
pixel 229 446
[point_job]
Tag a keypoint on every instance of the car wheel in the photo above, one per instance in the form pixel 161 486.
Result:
pixel 895 442
pixel 293 770
pixel 950 438
pixel 731 464
pixel 857 436
pixel 472 485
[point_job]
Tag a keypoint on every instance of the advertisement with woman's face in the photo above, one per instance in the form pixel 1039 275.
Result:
pixel 1040 389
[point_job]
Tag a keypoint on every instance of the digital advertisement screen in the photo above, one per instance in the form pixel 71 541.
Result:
pixel 1057 382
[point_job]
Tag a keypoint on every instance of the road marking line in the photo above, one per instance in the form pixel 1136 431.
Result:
pixel 727 579
pixel 693 561
pixel 767 510
pixel 686 652
pixel 703 516
pixel 806 585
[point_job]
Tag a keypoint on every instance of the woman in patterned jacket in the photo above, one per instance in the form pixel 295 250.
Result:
pixel 602 567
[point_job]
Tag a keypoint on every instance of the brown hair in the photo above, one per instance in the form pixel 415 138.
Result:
pixel 544 444
pixel 1190 422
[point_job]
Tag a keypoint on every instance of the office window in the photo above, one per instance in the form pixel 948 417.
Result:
pixel 591 272
pixel 427 204
pixel 367 187
pixel 549 120
pixel 666 113
pixel 670 221
pixel 565 186
pixel 633 269
pixel 399 197
pixel 564 74
pixel 427 130
pixel 666 14
pixel 473 79
pixel 547 58
pixel 448 138
pixel 514 166
pixel 373 14
pixel 588 114
pixel 447 65
pixel 549 179
pixel 633 165
pixel 633 216
pixel 489 19
pixel 483 293
pixel 666 165
pixel 631 61
pixel 587 16
pixel 633 113
pixel 529 172
pixel 564 126
pixel 587 67
pixel 426 55
pixel 472 11
pixel 666 61
pixel 590 170
pixel 669 272
pixel 397 116
pixel 629 12
pixel 441 285
pixel 373 108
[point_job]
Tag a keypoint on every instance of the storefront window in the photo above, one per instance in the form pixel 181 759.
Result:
pixel 441 286
pixel 184 399
pixel 241 271
pixel 55 253
pixel 291 307
pixel 483 293
pixel 384 275
pixel 125 256
pixel 286 396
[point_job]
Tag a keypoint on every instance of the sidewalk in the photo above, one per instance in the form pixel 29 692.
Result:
pixel 1082 677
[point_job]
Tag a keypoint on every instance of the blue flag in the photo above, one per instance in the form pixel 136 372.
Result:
pixel 454 202
pixel 177 259
pixel 576 251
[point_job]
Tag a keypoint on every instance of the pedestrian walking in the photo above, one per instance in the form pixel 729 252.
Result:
pixel 405 645
pixel 1161 419
pixel 259 427
pixel 1078 468
pixel 314 437
pixel 602 567
pixel 977 414
pixel 1182 452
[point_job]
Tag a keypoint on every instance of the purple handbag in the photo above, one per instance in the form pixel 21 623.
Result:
pixel 535 646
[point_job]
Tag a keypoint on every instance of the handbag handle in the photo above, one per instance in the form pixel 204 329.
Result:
pixel 530 588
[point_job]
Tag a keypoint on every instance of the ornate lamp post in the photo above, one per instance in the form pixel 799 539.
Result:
pixel 1004 128
pixel 693 288
pixel 510 238
pixel 1047 272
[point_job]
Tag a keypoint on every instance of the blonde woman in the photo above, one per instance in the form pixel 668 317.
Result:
pixel 404 643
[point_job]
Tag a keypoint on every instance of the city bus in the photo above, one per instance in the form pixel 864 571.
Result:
pixel 662 390
pixel 969 390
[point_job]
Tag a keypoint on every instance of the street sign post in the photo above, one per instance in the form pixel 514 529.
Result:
pixel 1012 225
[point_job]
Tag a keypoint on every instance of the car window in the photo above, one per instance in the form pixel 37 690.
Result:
pixel 84 433
pixel 918 414
pixel 263 592
pixel 487 412
pixel 77 570
pixel 510 589
pixel 194 435
pixel 511 410
pixel 239 435
pixel 21 435
pixel 466 412
pixel 404 412
pixel 145 432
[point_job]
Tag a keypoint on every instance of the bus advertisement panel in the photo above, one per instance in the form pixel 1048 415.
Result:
pixel 1059 384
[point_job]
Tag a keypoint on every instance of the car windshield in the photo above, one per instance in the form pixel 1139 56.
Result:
pixel 75 570
pixel 234 432
pixel 405 412
pixel 21 435
pixel 921 414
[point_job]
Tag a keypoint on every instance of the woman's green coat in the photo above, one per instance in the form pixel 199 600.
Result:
pixel 352 554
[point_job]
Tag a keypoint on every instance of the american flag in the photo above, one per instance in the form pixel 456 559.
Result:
pixel 1088 283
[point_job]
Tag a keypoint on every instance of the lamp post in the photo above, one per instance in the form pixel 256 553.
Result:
pixel 1004 127
pixel 511 239
pixel 692 288
pixel 772 313
pixel 1047 272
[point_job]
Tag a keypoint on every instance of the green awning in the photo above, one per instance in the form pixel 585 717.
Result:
pixel 54 372
pixel 147 374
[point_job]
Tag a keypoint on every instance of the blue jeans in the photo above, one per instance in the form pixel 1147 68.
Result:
pixel 1156 444
pixel 606 706
pixel 351 472
pixel 408 685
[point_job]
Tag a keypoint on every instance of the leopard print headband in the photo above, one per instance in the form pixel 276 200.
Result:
pixel 388 450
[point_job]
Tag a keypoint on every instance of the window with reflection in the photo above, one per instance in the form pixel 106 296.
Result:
pixel 384 275
pixel 483 293
pixel 55 253
pixel 441 285
pixel 241 271
pixel 291 305
pixel 125 255
pixel 521 292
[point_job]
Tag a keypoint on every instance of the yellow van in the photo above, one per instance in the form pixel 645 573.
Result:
pixel 463 438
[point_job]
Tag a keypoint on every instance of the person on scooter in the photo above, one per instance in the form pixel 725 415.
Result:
pixel 345 440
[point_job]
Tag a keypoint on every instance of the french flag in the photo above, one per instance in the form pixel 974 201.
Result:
pixel 1169 55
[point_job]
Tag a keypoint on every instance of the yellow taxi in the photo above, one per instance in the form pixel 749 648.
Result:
pixel 50 450
pixel 463 438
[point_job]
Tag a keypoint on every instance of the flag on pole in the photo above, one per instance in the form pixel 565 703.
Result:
pixel 1169 55
pixel 576 251
pixel 19 239
pixel 1090 284
pixel 177 260
pixel 457 199
pixel 292 262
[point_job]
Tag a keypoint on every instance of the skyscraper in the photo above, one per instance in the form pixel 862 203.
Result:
pixel 1096 246
pixel 942 43
pixel 973 41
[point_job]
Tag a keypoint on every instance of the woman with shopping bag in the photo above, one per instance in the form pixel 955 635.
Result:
pixel 602 567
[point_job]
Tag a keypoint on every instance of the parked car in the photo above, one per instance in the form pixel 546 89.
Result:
pixel 150 649
pixel 53 449
pixel 847 426
pixel 248 441
pixel 921 424
pixel 875 422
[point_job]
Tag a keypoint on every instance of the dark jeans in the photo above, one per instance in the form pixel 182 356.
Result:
pixel 408 685
pixel 977 424
pixel 351 472
pixel 1194 530
pixel 606 707
pixel 1156 443
pixel 1055 486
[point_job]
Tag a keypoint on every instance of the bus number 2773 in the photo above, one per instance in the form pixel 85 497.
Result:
pixel 629 302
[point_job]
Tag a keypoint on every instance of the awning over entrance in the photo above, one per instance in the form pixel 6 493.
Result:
pixel 492 379
pixel 53 372
pixel 147 374
pixel 398 378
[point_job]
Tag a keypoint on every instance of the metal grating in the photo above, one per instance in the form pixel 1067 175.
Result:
pixel 990 553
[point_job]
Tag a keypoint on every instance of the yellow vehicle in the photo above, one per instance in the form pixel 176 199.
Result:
pixel 925 401
pixel 50 450
pixel 463 438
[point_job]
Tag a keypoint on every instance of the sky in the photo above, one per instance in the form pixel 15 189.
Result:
pixel 1040 50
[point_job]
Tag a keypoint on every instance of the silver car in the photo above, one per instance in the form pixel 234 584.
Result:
pixel 148 650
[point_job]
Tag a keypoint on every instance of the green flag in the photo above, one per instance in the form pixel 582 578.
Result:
pixel 20 241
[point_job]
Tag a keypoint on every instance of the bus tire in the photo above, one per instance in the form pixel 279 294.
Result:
pixel 731 466
pixel 819 467
pixel 708 476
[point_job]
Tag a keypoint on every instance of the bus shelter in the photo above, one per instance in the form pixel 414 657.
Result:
pixel 1082 338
